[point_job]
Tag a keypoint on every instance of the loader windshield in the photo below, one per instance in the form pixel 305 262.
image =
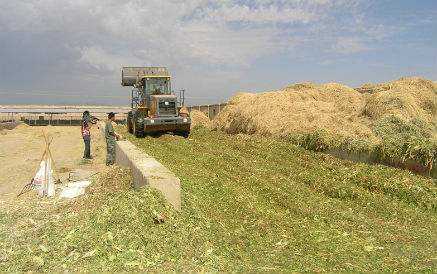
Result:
pixel 156 86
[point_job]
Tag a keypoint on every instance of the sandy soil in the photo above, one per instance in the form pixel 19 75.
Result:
pixel 21 150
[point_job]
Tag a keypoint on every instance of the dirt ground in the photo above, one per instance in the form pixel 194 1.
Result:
pixel 21 150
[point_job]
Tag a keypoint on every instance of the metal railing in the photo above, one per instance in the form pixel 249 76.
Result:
pixel 211 110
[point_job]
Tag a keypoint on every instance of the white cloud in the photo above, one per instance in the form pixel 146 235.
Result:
pixel 103 60
pixel 262 14
pixel 171 32
pixel 222 37
pixel 348 45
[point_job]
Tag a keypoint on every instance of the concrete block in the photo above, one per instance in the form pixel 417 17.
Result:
pixel 147 171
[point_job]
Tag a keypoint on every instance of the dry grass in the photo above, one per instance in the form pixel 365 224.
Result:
pixel 409 98
pixel 335 108
pixel 198 118
pixel 299 108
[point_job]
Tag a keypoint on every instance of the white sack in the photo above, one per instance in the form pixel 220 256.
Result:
pixel 43 181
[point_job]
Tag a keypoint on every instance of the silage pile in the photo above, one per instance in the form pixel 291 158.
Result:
pixel 393 123
pixel 300 108
pixel 408 98
pixel 334 108
pixel 198 118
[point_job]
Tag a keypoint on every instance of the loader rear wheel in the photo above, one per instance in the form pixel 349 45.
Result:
pixel 137 131
pixel 184 134
pixel 129 122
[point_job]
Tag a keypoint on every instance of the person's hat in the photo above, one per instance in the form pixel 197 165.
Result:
pixel 111 114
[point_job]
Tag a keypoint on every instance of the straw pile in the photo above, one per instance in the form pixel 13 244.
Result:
pixel 337 109
pixel 409 98
pixel 199 118
pixel 299 108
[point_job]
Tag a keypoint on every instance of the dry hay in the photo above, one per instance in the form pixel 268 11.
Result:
pixel 335 108
pixel 408 98
pixel 184 111
pixel 198 118
pixel 20 126
pixel 299 108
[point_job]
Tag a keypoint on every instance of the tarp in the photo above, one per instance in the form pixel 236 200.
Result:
pixel 75 189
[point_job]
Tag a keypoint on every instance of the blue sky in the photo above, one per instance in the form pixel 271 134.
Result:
pixel 75 49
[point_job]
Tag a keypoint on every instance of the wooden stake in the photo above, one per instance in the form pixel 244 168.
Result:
pixel 49 154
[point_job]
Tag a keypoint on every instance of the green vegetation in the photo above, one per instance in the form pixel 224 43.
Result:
pixel 249 204
pixel 407 144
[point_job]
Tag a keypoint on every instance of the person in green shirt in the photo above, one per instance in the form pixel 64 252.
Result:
pixel 111 138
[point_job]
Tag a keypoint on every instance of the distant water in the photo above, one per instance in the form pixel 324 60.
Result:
pixel 63 110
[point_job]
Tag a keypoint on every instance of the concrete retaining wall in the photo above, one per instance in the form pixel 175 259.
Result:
pixel 147 171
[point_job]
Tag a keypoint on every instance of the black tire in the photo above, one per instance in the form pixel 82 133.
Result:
pixel 184 134
pixel 157 134
pixel 137 131
pixel 129 122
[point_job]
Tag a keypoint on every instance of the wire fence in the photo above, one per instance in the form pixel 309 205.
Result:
pixel 56 114
pixel 80 95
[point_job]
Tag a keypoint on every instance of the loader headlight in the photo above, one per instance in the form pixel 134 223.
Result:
pixel 185 120
pixel 152 121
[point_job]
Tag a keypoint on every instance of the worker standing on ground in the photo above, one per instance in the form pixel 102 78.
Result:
pixel 87 121
pixel 111 136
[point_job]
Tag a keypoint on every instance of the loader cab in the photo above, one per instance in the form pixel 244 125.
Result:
pixel 148 87
pixel 157 97
pixel 157 85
